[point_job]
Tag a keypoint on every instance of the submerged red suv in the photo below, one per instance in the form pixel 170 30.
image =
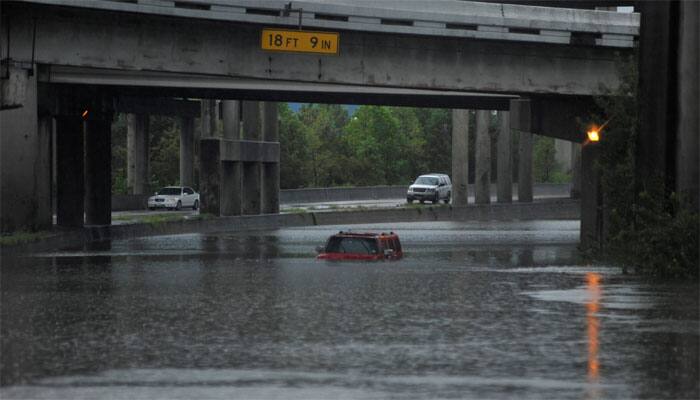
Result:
pixel 361 246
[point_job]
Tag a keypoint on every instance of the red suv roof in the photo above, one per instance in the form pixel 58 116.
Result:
pixel 362 246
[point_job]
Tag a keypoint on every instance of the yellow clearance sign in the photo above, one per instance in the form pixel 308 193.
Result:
pixel 300 41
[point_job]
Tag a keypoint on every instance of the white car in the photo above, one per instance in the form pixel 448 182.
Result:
pixel 432 187
pixel 174 198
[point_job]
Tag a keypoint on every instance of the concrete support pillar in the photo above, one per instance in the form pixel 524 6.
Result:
pixel 232 119
pixel 208 118
pixel 251 188
pixel 252 175
pixel 187 151
pixel 231 171
pixel 25 157
pixel 460 147
pixel 482 176
pixel 563 155
pixel 525 167
pixel 70 181
pixel 591 199
pixel 575 170
pixel 137 175
pixel 270 170
pixel 504 189
pixel 231 180
pixel 658 117
pixel 210 175
pixel 687 144
pixel 520 113
pixel 98 170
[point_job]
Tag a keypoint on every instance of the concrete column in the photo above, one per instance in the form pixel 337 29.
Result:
pixel 271 170
pixel 70 181
pixel 25 160
pixel 98 170
pixel 520 114
pixel 232 119
pixel 562 154
pixel 591 199
pixel 252 175
pixel 505 160
pixel 186 151
pixel 525 168
pixel 137 175
pixel 231 179
pixel 687 145
pixel 208 118
pixel 657 105
pixel 251 188
pixel 251 120
pixel 231 171
pixel 575 170
pixel 210 175
pixel 482 176
pixel 460 150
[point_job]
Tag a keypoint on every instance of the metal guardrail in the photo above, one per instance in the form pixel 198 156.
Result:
pixel 446 18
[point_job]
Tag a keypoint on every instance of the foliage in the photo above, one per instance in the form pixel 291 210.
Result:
pixel 295 154
pixel 322 146
pixel 119 155
pixel 164 163
pixel 22 237
pixel 646 230
pixel 544 163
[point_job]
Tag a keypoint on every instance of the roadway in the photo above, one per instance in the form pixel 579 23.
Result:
pixel 128 217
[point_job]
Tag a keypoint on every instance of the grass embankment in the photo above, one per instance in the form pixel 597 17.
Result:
pixel 22 237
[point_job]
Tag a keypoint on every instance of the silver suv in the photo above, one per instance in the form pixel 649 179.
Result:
pixel 432 187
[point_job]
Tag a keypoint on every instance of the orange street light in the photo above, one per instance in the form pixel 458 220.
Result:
pixel 85 114
pixel 593 135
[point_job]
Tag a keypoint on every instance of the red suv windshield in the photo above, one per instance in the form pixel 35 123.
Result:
pixel 339 244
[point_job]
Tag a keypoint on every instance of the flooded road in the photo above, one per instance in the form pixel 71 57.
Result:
pixel 487 310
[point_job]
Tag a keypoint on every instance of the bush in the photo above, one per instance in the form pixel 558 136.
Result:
pixel 647 231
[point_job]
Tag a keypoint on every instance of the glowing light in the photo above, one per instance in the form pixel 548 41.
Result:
pixel 85 114
pixel 593 135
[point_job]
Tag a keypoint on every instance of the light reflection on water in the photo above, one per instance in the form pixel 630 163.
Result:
pixel 466 314
pixel 594 290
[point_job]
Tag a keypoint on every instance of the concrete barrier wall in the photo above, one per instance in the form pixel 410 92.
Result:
pixel 317 195
pixel 125 202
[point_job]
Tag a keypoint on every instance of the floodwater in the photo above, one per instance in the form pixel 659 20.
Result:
pixel 474 310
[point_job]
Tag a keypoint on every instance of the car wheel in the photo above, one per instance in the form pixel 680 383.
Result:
pixel 436 199
pixel 151 208
pixel 422 201
pixel 196 205
pixel 409 200
pixel 178 206
pixel 447 200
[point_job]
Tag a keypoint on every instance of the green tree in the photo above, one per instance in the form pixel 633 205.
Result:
pixel 375 138
pixel 544 163
pixel 325 123
pixel 164 151
pixel 119 155
pixel 646 230
pixel 436 130
pixel 295 151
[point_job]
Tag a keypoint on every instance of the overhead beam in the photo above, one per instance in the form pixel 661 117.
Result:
pixel 137 84
pixel 137 42
pixel 158 106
